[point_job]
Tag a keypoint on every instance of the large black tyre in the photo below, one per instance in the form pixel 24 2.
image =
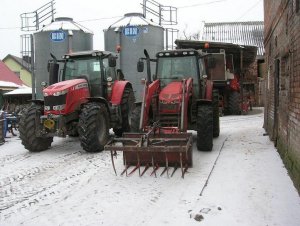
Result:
pixel 204 127
pixel 127 105
pixel 216 114
pixel 93 127
pixel 28 127
pixel 135 119
pixel 234 103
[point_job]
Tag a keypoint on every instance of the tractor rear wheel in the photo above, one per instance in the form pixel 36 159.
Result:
pixel 93 127
pixel 205 127
pixel 234 103
pixel 216 114
pixel 127 105
pixel 135 119
pixel 28 129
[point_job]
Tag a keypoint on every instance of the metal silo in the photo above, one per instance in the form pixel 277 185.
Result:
pixel 133 33
pixel 58 38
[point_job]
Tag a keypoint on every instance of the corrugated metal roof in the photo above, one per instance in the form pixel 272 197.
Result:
pixel 243 33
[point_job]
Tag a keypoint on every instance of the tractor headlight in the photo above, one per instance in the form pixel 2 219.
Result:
pixel 59 93
pixel 59 107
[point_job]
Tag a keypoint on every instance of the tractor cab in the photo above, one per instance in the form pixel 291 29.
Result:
pixel 97 67
pixel 174 66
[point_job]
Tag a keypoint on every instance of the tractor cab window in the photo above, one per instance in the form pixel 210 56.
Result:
pixel 89 68
pixel 202 67
pixel 108 71
pixel 176 68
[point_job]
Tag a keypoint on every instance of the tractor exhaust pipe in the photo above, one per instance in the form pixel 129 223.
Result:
pixel 148 66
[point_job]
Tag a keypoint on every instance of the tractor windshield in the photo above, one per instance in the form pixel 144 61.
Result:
pixel 177 68
pixel 82 67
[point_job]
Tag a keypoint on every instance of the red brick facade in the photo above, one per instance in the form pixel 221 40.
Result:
pixel 282 105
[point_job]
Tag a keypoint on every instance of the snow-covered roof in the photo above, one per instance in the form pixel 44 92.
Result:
pixel 8 84
pixel 20 91
pixel 65 23
pixel 133 19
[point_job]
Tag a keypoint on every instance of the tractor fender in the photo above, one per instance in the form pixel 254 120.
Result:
pixel 98 100
pixel 209 90
pixel 118 90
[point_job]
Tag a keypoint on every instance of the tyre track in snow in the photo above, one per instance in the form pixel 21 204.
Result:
pixel 8 159
pixel 27 187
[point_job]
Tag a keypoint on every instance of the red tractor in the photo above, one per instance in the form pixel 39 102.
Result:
pixel 179 98
pixel 87 99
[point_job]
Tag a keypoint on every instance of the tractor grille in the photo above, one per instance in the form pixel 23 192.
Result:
pixel 169 120
pixel 51 101
pixel 169 107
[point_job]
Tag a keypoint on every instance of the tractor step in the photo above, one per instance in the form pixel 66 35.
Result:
pixel 153 151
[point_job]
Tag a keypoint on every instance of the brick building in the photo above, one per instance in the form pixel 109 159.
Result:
pixel 282 54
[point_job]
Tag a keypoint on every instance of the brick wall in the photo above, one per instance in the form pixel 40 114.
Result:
pixel 282 108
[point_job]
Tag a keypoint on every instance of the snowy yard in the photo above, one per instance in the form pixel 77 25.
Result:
pixel 241 182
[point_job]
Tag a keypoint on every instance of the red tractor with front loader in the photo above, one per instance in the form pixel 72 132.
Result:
pixel 177 99
pixel 86 99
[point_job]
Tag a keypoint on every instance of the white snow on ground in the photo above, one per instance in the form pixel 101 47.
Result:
pixel 241 182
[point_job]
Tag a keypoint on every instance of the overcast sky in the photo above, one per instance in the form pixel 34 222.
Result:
pixel 97 15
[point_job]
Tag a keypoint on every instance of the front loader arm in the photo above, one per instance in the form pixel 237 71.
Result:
pixel 149 93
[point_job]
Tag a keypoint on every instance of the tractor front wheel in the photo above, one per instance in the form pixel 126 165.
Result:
pixel 93 127
pixel 135 119
pixel 28 129
pixel 127 105
pixel 205 127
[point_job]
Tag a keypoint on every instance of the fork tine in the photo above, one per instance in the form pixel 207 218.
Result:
pixel 153 165
pixel 112 160
pixel 139 163
pixel 175 168
pixel 154 170
pixel 181 165
pixel 134 169
pixel 146 168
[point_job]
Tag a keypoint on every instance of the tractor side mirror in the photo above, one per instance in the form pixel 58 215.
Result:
pixel 140 66
pixel 112 61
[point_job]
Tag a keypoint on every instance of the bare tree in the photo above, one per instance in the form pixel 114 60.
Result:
pixel 190 36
